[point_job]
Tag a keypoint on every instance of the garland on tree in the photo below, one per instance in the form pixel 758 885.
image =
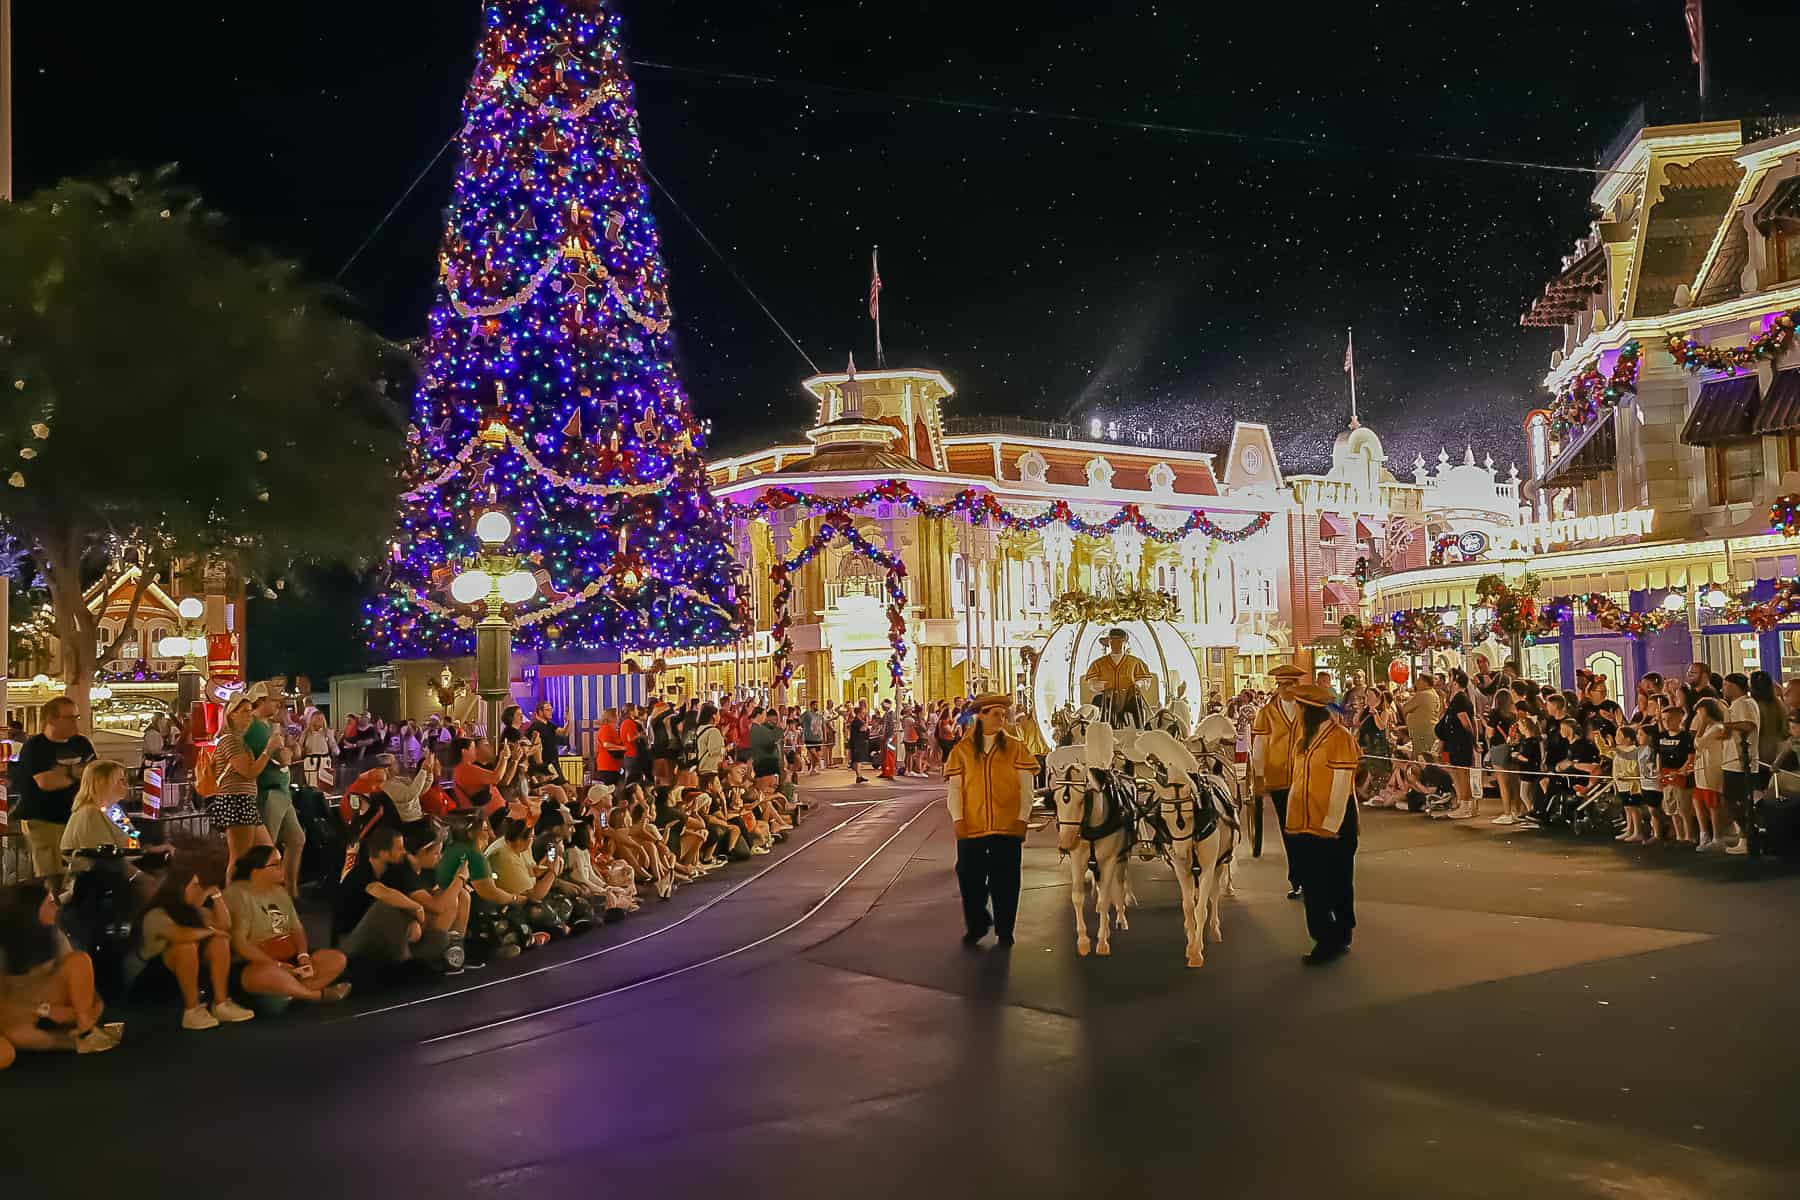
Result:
pixel 1590 393
pixel 1515 609
pixel 978 506
pixel 1770 343
pixel 1366 638
pixel 548 385
pixel 782 576
pixel 1136 604
pixel 1421 630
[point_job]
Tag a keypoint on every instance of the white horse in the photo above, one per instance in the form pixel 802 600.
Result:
pixel 1199 831
pixel 1088 822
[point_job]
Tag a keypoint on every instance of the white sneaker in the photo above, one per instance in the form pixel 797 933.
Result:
pixel 95 1041
pixel 1741 846
pixel 198 1018
pixel 231 1012
pixel 1505 819
pixel 1703 845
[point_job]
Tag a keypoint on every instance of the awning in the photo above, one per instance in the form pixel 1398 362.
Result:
pixel 1365 529
pixel 1725 410
pixel 1593 451
pixel 1343 595
pixel 1332 525
pixel 1781 407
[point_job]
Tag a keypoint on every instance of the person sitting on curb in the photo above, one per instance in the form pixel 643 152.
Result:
pixel 47 995
pixel 268 938
pixel 184 924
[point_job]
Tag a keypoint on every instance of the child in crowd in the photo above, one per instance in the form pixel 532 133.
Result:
pixel 1710 815
pixel 1627 785
pixel 1528 762
pixel 1675 766
pixel 1650 809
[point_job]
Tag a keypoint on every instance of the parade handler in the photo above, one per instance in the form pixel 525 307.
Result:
pixel 1115 680
pixel 1272 756
pixel 1321 823
pixel 991 777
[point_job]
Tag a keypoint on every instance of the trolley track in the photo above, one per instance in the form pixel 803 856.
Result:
pixel 926 807
pixel 872 807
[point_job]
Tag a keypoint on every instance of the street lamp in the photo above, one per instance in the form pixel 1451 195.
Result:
pixel 495 579
pixel 1674 602
pixel 190 646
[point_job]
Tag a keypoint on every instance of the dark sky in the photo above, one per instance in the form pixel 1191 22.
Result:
pixel 1050 268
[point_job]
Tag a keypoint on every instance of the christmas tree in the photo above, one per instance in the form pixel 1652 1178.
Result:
pixel 548 387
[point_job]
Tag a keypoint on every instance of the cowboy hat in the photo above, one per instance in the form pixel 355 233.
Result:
pixel 1314 695
pixel 992 700
pixel 260 691
pixel 1287 671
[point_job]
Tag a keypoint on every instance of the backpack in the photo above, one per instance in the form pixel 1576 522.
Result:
pixel 206 773
pixel 690 748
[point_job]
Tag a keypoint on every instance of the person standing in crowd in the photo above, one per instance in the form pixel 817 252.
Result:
pixel 1320 820
pixel 1271 756
pixel 552 737
pixel 857 741
pixel 709 745
pixel 992 782
pixel 46 777
pixel 232 811
pixel 1743 739
pixel 609 750
pixel 635 762
pixel 274 795
pixel 1421 711
pixel 812 736
pixel 1456 734
pixel 765 746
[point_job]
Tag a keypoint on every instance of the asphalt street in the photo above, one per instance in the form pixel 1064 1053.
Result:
pixel 1523 1014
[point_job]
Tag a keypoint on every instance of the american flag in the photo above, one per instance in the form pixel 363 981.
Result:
pixel 1350 352
pixel 1696 27
pixel 875 285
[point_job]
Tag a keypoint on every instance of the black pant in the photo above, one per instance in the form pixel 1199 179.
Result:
pixel 1327 869
pixel 1278 797
pixel 989 866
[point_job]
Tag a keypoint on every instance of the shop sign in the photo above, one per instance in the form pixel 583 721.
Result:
pixel 1543 535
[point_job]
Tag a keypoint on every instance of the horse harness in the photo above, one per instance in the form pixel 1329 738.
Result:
pixel 1119 813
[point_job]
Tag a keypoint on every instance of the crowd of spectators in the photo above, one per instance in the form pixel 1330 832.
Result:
pixel 1687 762
pixel 445 852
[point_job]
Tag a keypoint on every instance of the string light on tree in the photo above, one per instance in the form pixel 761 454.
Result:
pixel 549 387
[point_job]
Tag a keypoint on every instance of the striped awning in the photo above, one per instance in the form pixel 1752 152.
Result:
pixel 1780 411
pixel 1333 525
pixel 1365 529
pixel 1342 595
pixel 1726 409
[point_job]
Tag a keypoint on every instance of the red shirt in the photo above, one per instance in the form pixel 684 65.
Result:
pixel 604 759
pixel 628 733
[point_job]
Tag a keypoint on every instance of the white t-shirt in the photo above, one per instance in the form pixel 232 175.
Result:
pixel 1742 709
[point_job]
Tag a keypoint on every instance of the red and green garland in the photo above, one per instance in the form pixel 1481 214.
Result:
pixel 1366 639
pixel 1770 343
pixel 977 506
pixel 1421 630
pixel 1515 609
pixel 782 576
pixel 1784 516
pixel 1763 615
pixel 1603 611
pixel 1590 393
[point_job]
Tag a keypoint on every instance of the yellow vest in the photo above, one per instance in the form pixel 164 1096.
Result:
pixel 1117 676
pixel 991 799
pixel 1309 799
pixel 1277 734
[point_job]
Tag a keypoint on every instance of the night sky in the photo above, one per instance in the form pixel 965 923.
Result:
pixel 1051 268
pixel 1054 269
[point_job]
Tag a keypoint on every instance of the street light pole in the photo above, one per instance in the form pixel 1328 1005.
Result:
pixel 6 105
pixel 493 581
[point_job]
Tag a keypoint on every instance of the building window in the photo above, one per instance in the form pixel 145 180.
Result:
pixel 1332 618
pixel 1787 253
pixel 1733 469
pixel 1790 452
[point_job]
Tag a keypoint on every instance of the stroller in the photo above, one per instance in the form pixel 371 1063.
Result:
pixel 1597 808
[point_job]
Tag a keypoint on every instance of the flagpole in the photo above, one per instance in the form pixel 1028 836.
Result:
pixel 1350 354
pixel 1705 82
pixel 875 263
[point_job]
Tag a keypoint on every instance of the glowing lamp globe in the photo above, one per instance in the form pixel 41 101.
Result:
pixel 471 587
pixel 1715 599
pixel 1674 602
pixel 493 527
pixel 516 587
pixel 173 647
pixel 1452 618
pixel 191 609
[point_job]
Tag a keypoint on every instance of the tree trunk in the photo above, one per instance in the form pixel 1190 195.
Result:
pixel 144 580
pixel 77 628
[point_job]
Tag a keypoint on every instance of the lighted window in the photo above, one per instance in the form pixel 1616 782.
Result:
pixel 1787 253
pixel 1790 453
pixel 1733 470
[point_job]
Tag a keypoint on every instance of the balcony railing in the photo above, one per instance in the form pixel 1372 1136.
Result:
pixel 1117 432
